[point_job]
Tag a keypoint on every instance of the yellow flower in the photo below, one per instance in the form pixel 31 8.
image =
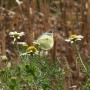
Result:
pixel 73 37
pixel 31 49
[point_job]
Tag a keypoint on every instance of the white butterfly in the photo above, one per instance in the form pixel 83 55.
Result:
pixel 45 41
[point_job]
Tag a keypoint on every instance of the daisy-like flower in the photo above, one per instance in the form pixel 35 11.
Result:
pixel 4 58
pixel 74 38
pixel 32 50
pixel 16 35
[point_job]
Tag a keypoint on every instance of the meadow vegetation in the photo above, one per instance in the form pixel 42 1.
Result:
pixel 26 64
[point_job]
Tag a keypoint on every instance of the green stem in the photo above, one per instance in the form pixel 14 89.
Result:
pixel 17 50
pixel 17 47
pixel 80 57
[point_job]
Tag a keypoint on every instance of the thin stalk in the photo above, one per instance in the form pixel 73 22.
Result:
pixel 17 47
pixel 17 51
pixel 80 57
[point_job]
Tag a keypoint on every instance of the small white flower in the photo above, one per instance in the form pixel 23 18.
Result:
pixel 4 57
pixel 74 38
pixel 16 35
pixel 19 2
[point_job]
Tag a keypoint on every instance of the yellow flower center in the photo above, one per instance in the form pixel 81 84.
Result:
pixel 16 35
pixel 73 37
pixel 31 48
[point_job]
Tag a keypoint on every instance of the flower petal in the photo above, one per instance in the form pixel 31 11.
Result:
pixel 80 36
pixel 67 40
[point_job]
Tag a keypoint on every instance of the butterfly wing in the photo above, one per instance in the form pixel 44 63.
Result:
pixel 46 41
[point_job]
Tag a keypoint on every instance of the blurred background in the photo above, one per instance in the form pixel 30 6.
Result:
pixel 34 17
